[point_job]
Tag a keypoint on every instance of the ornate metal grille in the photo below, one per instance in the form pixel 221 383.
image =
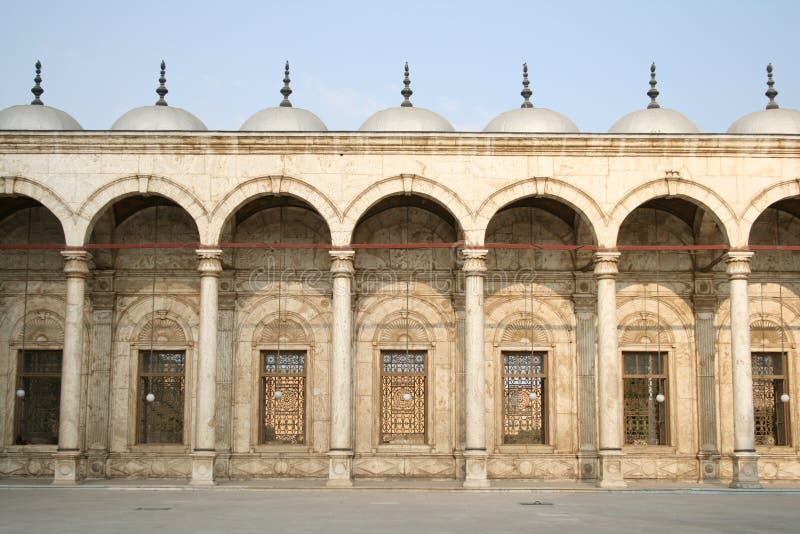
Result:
pixel 39 376
pixel 769 383
pixel 283 401
pixel 644 378
pixel 524 405
pixel 403 396
pixel 161 373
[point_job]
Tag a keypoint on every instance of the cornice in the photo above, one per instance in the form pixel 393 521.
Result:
pixel 361 143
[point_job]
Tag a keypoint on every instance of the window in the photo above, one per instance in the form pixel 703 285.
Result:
pixel 403 392
pixel 38 397
pixel 283 396
pixel 161 396
pixel 645 384
pixel 524 403
pixel 769 384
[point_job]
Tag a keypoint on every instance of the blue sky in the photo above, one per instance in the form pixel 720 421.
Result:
pixel 588 60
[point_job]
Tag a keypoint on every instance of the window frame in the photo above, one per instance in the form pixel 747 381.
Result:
pixel 667 352
pixel 787 408
pixel 256 396
pixel 16 349
pixel 547 352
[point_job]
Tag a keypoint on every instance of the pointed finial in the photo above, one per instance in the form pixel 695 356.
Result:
pixel 653 92
pixel 526 92
pixel 162 89
pixel 406 92
pixel 285 90
pixel 37 89
pixel 771 92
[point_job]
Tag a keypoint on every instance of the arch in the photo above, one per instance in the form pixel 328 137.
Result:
pixel 161 328
pixel 399 328
pixel 406 184
pixel 510 322
pixel 288 328
pixel 549 188
pixel 695 193
pixel 137 317
pixel 271 185
pixel 312 316
pixel 637 316
pixel 17 185
pixel 41 326
pixel 644 328
pixel 93 206
pixel 527 330
pixel 423 312
pixel 762 201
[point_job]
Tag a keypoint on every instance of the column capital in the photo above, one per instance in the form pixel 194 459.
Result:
pixel 738 264
pixel 76 263
pixel 605 264
pixel 474 261
pixel 584 303
pixel 342 262
pixel 209 261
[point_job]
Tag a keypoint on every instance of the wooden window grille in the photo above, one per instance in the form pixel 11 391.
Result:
pixel 403 396
pixel 771 414
pixel 162 391
pixel 645 398
pixel 283 397
pixel 39 380
pixel 524 397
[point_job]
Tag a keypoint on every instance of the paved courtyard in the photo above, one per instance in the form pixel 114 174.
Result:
pixel 178 509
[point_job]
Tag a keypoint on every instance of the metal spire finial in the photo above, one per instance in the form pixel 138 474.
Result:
pixel 526 92
pixel 37 89
pixel 162 89
pixel 406 92
pixel 286 90
pixel 771 92
pixel 653 92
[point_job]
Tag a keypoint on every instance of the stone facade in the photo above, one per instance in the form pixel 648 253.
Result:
pixel 289 234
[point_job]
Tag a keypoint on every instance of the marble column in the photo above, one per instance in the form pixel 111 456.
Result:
pixel 586 347
pixel 204 453
pixel 609 371
pixel 745 460
pixel 99 384
pixel 225 348
pixel 67 458
pixel 475 454
pixel 705 305
pixel 340 468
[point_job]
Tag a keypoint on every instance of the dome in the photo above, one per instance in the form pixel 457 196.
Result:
pixel 285 117
pixel 159 116
pixel 36 116
pixel 528 119
pixel 406 118
pixel 654 119
pixel 772 120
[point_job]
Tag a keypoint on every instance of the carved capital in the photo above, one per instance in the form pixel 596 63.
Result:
pixel 342 262
pixel 738 264
pixel 209 262
pixel 605 264
pixel 584 304
pixel 76 263
pixel 474 261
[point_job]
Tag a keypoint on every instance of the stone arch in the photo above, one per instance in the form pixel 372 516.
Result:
pixel 175 318
pixel 40 326
pixel 549 188
pixel 17 185
pixel 309 318
pixel 93 206
pixel 762 201
pixel 428 320
pixel 400 327
pixel 695 193
pixel 271 185
pixel 405 184
pixel 550 323
pixel 766 330
pixel 286 328
pixel 644 329
pixel 647 316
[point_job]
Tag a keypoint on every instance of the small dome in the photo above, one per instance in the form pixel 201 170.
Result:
pixel 654 119
pixel 528 119
pixel 160 116
pixel 284 118
pixel 36 116
pixel 406 118
pixel 772 120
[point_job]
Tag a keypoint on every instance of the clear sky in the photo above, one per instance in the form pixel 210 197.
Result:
pixel 588 59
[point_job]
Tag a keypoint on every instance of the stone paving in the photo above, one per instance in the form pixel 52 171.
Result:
pixel 388 507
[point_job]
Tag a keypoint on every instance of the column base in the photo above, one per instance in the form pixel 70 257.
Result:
pixel 611 470
pixel 475 469
pixel 340 469
pixel 96 463
pixel 66 468
pixel 588 465
pixel 745 471
pixel 709 466
pixel 203 468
